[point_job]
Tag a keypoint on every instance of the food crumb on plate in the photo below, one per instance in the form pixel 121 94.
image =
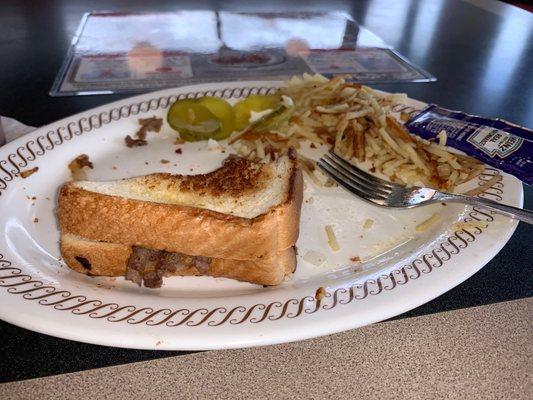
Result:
pixel 28 172
pixel 369 223
pixel 470 224
pixel 36 220
pixel 332 239
pixel 163 161
pixel 320 293
pixel 178 151
pixel 152 124
pixel 315 258
pixel 78 165
pixel 131 142
pixel 424 225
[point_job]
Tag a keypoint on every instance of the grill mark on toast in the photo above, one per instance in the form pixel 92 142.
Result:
pixel 236 177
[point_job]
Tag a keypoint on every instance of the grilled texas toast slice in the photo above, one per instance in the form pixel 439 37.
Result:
pixel 111 259
pixel 241 211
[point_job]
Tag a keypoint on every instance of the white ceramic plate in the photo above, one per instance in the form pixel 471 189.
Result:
pixel 402 268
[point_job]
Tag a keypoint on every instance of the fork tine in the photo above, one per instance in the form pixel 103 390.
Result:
pixel 362 174
pixel 329 171
pixel 384 190
pixel 363 185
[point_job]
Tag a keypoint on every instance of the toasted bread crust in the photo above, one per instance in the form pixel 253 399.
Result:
pixel 288 215
pixel 181 229
pixel 110 259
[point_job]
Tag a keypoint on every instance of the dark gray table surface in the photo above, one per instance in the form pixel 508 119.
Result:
pixel 481 53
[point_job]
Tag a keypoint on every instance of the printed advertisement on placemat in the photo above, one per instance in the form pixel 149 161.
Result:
pixel 118 53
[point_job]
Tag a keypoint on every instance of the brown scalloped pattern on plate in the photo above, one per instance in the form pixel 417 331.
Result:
pixel 19 283
pixel 32 149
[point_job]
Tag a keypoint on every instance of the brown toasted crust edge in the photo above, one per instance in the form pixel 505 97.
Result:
pixel 109 259
pixel 182 229
pixel 289 212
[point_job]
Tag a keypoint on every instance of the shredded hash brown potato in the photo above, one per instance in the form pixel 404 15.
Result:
pixel 332 239
pixel 424 225
pixel 474 192
pixel 356 122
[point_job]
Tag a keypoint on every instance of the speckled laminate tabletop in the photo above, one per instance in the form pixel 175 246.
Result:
pixel 476 353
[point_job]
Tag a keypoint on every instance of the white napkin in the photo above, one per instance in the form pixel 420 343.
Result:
pixel 12 129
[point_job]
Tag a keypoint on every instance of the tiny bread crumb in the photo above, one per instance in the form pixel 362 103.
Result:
pixel 79 162
pixel 36 220
pixel 158 343
pixel 163 161
pixel 178 151
pixel 312 145
pixel 368 223
pixel 146 163
pixel 113 167
pixel 47 198
pixel 152 124
pixel 320 293
pixel 131 142
pixel 28 172
pixel 34 198
pixel 356 259
pixel 443 203
pixel 77 165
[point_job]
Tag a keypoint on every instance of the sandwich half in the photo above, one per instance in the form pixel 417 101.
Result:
pixel 240 221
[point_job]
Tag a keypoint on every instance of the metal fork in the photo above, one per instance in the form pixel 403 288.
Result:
pixel 388 194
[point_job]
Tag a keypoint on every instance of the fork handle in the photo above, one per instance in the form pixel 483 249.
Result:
pixel 512 212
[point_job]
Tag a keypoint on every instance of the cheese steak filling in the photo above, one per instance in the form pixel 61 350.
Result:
pixel 148 267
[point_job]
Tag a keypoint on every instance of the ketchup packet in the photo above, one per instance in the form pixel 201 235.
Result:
pixel 498 143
